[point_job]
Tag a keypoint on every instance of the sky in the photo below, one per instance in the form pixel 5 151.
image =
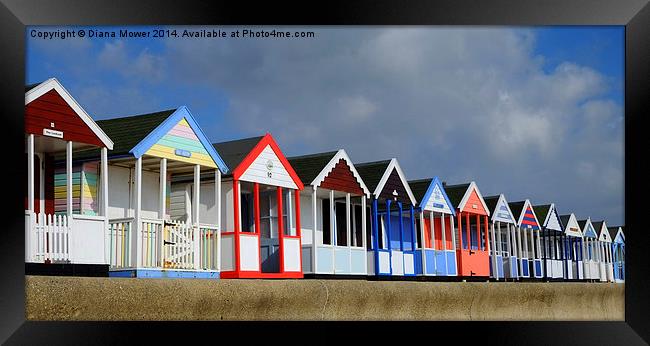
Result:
pixel 531 112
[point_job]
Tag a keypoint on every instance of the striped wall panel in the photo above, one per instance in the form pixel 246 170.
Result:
pixel 182 144
pixel 529 219
pixel 85 184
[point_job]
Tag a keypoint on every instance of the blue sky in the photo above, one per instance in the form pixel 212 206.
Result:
pixel 531 112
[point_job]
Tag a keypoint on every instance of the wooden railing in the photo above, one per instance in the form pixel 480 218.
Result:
pixel 209 246
pixel 119 242
pixel 49 237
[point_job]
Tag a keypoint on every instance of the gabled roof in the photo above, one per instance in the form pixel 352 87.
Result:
pixel 613 231
pixel 583 226
pixel 135 135
pixel 34 91
pixel 460 193
pixel 520 207
pixel 234 152
pixel 493 201
pixel 456 192
pixel 542 211
pixel 314 168
pixel 423 188
pixel 566 222
pixel 602 232
pixel 370 170
pixel 240 154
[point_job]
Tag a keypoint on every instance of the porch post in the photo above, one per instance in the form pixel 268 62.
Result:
pixel 423 243
pixel 375 233
pixel 517 232
pixel 460 230
pixel 348 220
pixel 495 270
pixel 363 230
pixel 411 214
pixel 298 226
pixel 217 199
pixel 314 215
pixel 136 249
pixel 104 182
pixel 280 229
pixel 163 188
pixel 68 169
pixel 332 223
pixel 196 229
pixel 432 232
pixel 30 172
pixel 451 226
pixel 401 226
pixel 485 224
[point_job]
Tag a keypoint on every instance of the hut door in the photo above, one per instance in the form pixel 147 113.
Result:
pixel 269 237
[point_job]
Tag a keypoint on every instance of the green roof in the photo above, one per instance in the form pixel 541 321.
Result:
pixel 582 224
pixel 125 132
pixel 371 172
pixel 597 226
pixel 541 211
pixel 419 187
pixel 517 208
pixel 234 152
pixel 456 193
pixel 308 167
pixel 491 202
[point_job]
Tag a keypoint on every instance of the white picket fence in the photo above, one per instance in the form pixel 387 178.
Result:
pixel 119 242
pixel 50 237
pixel 178 245
pixel 209 246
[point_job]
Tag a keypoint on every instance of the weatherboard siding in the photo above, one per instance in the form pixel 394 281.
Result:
pixel 50 109
pixel 437 201
pixel 182 137
pixel 84 190
pixel 258 171
pixel 342 179
pixel 394 183
pixel 474 204
pixel 529 219
pixel 554 221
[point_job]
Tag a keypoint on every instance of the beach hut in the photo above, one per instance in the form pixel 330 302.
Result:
pixel 618 252
pixel 604 245
pixel 554 262
pixel 392 239
pixel 65 203
pixel 574 247
pixel 146 238
pixel 471 234
pixel 590 262
pixel 503 239
pixel 334 214
pixel 261 218
pixel 530 260
pixel 434 214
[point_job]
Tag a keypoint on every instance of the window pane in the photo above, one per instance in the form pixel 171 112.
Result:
pixel 341 224
pixel 327 239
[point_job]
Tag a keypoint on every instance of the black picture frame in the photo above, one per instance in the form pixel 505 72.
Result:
pixel 634 14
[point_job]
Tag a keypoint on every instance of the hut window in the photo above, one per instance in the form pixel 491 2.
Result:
pixel 247 208
pixel 327 238
pixel 341 224
pixel 357 230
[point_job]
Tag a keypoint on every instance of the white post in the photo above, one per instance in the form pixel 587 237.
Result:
pixel 443 232
pixel 348 220
pixel 422 243
pixel 314 246
pixel 432 229
pixel 289 225
pixel 136 243
pixel 517 232
pixel 68 167
pixel 363 230
pixel 104 182
pixel 217 192
pixel 196 207
pixel 163 189
pixel 104 200
pixel 495 270
pixel 332 230
pixel 30 173
pixel 453 237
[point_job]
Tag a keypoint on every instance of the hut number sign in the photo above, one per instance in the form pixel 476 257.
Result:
pixel 52 133
pixel 269 168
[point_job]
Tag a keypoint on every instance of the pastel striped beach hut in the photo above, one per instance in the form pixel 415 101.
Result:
pixel 434 218
pixel 591 262
pixel 392 251
pixel 504 262
pixel 530 260
pixel 574 247
pixel 618 252
pixel 148 235
pixel 553 240
pixel 470 231
pixel 335 215
pixel 65 207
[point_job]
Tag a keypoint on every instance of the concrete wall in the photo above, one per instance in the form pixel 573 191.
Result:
pixel 75 298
